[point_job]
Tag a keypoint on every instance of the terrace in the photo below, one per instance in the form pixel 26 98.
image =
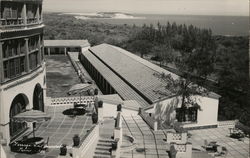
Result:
pixel 59 130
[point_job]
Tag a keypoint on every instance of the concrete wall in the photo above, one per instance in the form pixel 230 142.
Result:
pixel 88 145
pixel 9 91
pixel 109 110
pixel 207 116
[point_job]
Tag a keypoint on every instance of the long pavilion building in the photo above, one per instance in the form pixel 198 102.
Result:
pixel 22 66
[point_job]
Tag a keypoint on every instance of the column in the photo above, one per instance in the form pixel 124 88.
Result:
pixel 48 51
pixel 39 56
pixel 24 14
pixel 27 64
pixel 1 63
pixel 37 14
pixel 41 15
pixel 65 51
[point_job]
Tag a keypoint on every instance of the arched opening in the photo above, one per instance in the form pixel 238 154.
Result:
pixel 18 105
pixel 38 102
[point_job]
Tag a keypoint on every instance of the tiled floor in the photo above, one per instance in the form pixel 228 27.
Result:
pixel 149 144
pixel 236 148
pixel 60 130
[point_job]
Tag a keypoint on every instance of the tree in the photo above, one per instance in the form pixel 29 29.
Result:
pixel 141 46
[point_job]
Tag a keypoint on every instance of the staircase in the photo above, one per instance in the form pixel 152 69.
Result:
pixel 103 148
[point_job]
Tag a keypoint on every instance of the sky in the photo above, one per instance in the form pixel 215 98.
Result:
pixel 183 7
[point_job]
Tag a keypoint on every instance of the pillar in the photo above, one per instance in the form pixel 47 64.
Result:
pixel 39 56
pixel 37 14
pixel 24 14
pixel 27 65
pixel 1 63
pixel 48 51
pixel 155 126
pixel 65 51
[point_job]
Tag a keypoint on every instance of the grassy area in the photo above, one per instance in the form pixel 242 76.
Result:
pixel 60 75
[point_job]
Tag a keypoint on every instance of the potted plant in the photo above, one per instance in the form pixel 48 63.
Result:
pixel 94 118
pixel 114 145
pixel 96 91
pixel 76 140
pixel 119 107
pixel 63 150
pixel 172 152
pixel 100 104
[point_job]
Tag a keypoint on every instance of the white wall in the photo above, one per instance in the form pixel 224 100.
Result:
pixel 26 88
pixel 208 114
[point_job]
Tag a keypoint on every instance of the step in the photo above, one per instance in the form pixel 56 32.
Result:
pixel 102 152
pixel 104 144
pixel 106 140
pixel 103 148
pixel 101 156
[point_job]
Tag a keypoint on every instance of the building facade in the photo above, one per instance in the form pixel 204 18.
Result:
pixel 22 66
pixel 62 47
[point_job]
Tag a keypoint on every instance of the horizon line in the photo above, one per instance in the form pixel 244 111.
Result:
pixel 147 13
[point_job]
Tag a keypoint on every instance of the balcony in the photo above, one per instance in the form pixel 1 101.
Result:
pixel 11 22
pixel 19 23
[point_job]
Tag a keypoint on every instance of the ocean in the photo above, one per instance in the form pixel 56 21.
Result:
pixel 220 25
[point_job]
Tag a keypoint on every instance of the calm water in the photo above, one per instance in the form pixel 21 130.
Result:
pixel 220 25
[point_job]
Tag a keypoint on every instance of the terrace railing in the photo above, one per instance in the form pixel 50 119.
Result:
pixel 71 100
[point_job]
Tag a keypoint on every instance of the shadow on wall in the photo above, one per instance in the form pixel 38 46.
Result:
pixel 165 114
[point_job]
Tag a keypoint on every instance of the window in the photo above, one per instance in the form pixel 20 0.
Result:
pixel 5 49
pixel 14 67
pixel 186 114
pixel 5 69
pixel 33 60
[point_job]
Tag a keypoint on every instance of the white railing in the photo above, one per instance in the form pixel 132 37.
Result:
pixel 87 145
pixel 183 150
pixel 176 137
pixel 70 100
pixel 230 123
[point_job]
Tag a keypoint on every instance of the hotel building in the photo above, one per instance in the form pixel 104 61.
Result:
pixel 22 66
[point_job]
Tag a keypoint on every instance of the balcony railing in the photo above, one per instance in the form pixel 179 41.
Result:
pixel 12 22
pixel 32 20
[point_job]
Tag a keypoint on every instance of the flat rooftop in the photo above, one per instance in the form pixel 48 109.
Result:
pixel 66 43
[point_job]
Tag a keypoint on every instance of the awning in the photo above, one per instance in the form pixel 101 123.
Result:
pixel 32 116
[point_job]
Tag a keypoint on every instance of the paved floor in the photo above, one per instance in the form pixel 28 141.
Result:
pixel 236 148
pixel 60 130
pixel 149 144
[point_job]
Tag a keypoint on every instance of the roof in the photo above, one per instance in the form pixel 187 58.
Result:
pixel 138 73
pixel 112 99
pixel 122 88
pixel 131 104
pixel 66 43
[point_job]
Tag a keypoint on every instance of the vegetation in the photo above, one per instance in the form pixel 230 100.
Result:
pixel 190 51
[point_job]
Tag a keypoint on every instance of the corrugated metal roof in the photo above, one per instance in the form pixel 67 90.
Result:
pixel 66 43
pixel 139 73
pixel 123 89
